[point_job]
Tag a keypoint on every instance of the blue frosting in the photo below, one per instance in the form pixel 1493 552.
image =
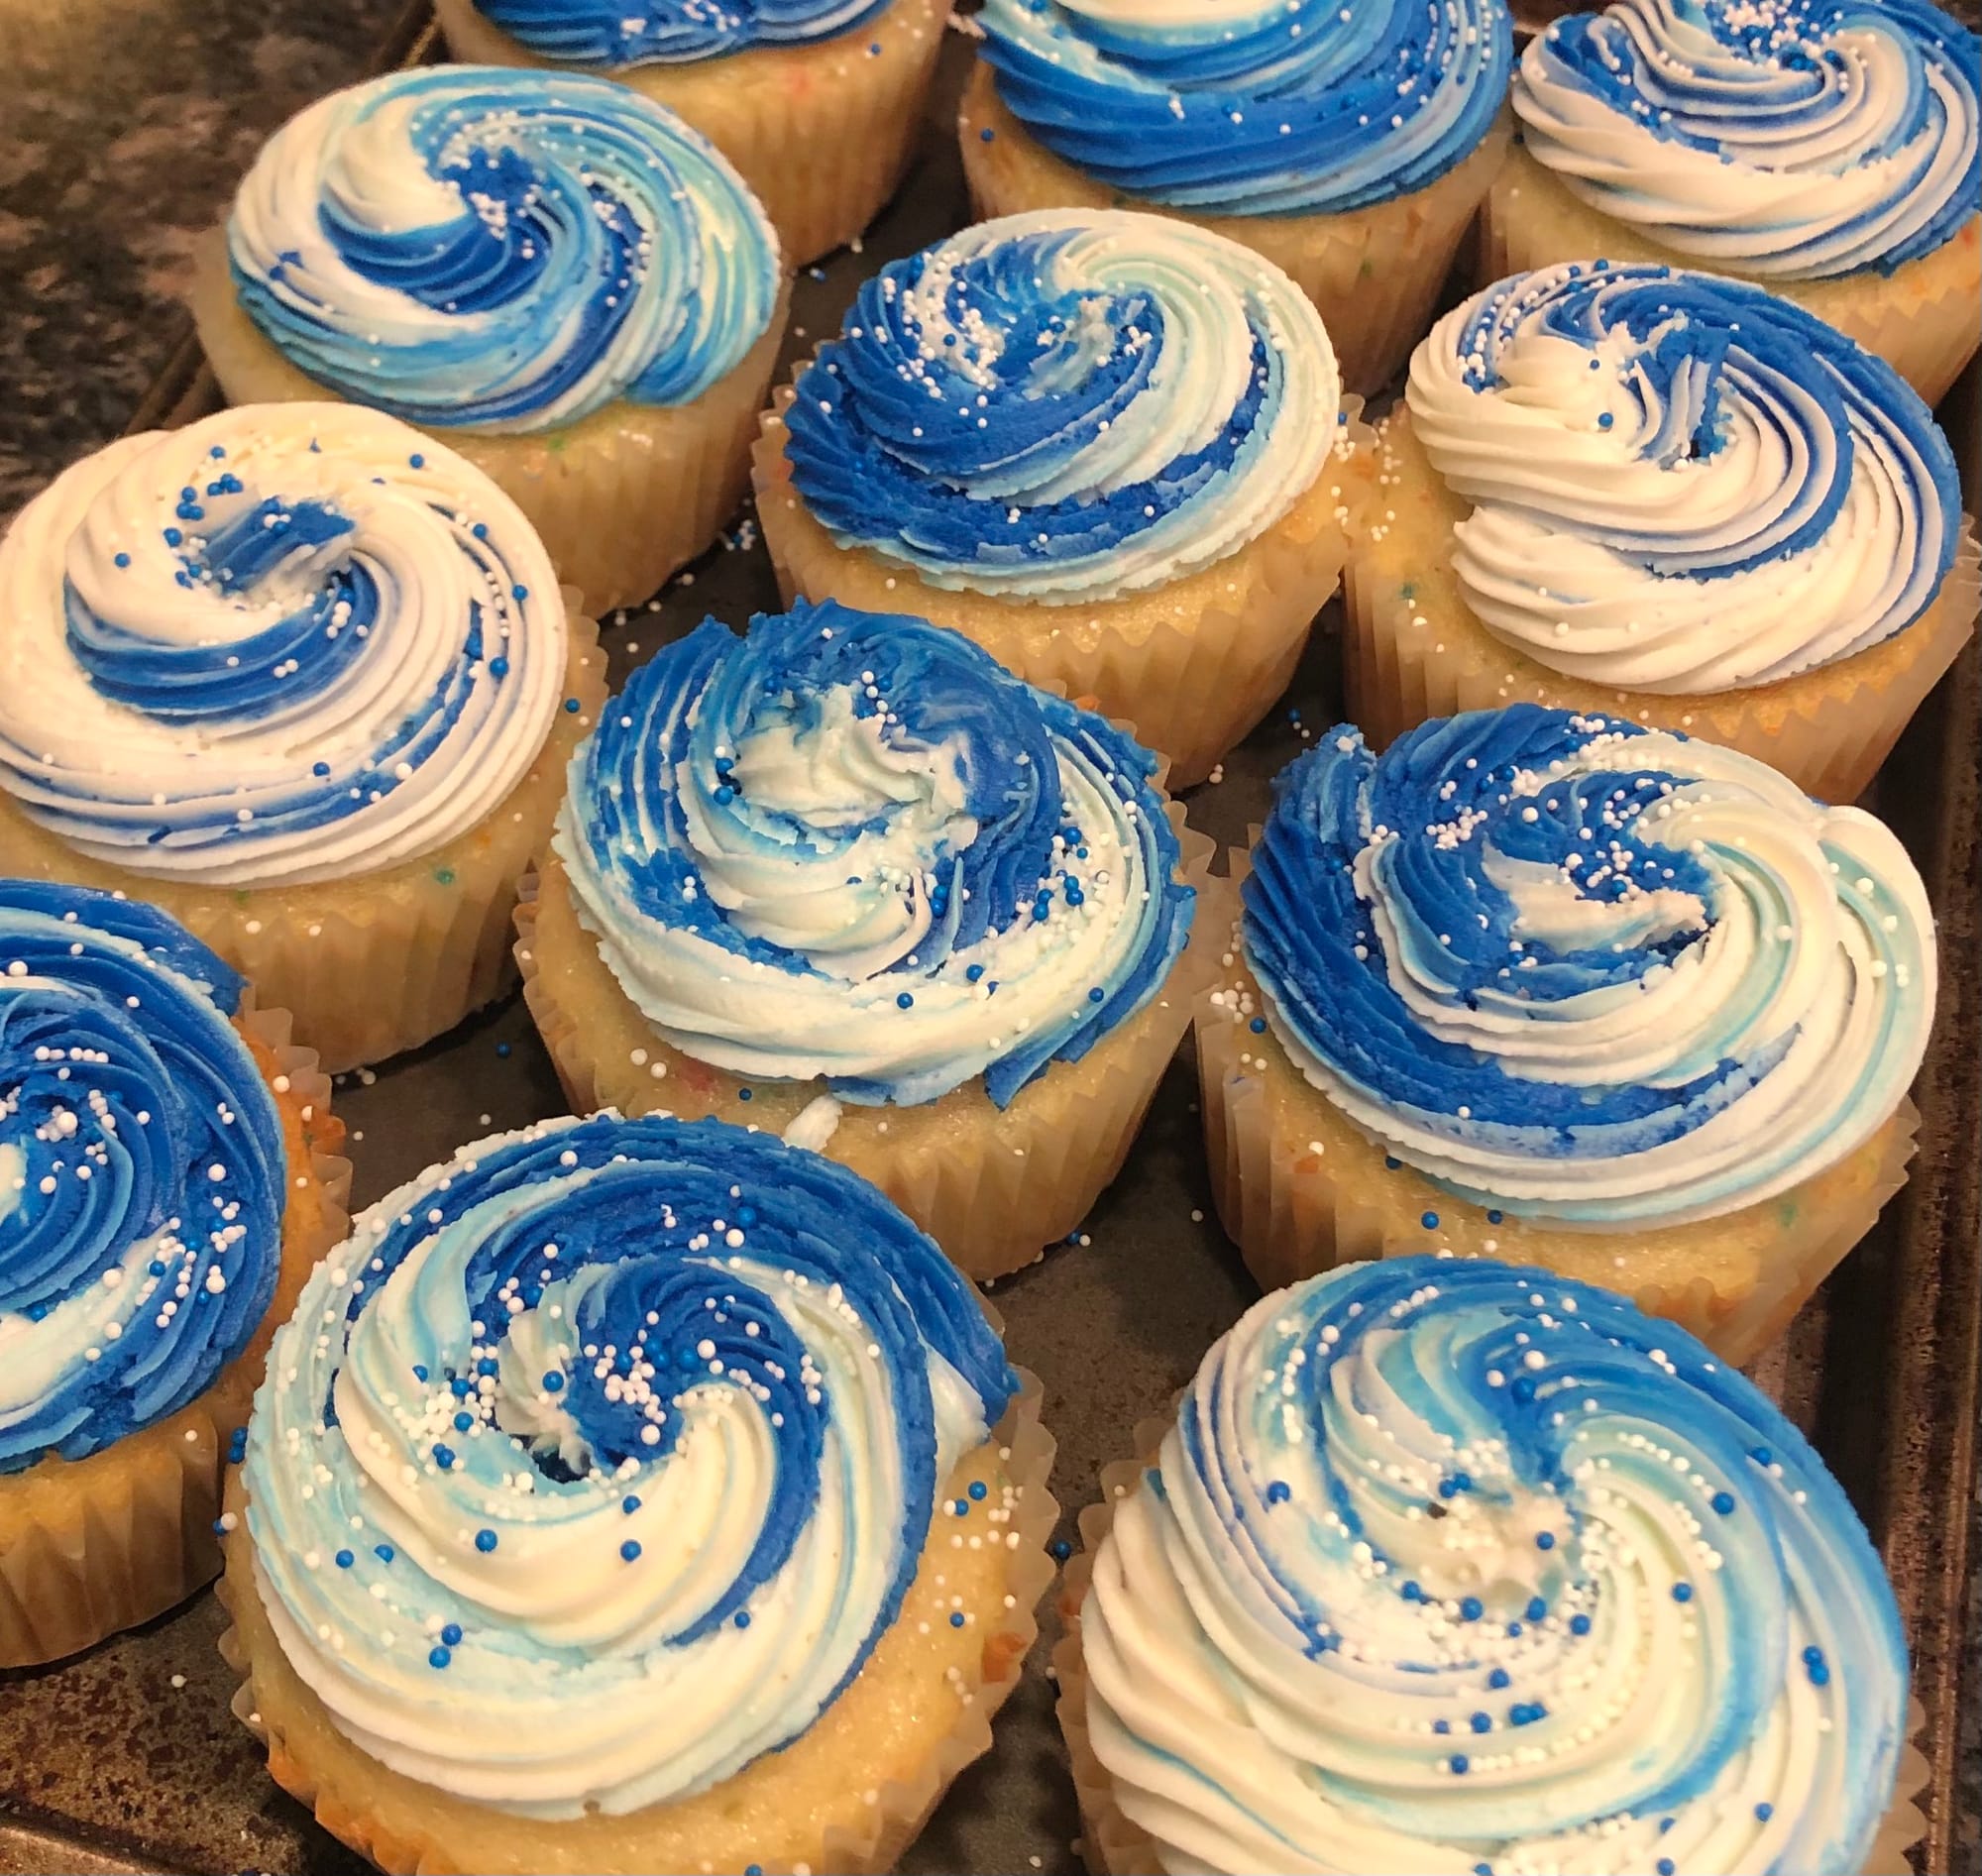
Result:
pixel 476 246
pixel 1286 109
pixel 611 36
pixel 850 845
pixel 142 1171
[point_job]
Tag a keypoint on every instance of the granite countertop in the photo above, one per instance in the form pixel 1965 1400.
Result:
pixel 123 124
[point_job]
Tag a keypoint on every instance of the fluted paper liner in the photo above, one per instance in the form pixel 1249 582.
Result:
pixel 101 1544
pixel 821 132
pixel 1113 1847
pixel 621 497
pixel 1414 649
pixel 993 1186
pixel 1924 318
pixel 849 1793
pixel 1374 273
pixel 1194 664
pixel 381 961
pixel 1299 1188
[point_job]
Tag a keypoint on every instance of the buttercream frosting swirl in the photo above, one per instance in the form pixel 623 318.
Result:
pixel 611 35
pixel 142 1171
pixel 1792 139
pixel 1679 484
pixel 291 642
pixel 1066 405
pixel 1585 973
pixel 1253 107
pixel 598 1460
pixel 470 247
pixel 851 845
pixel 1452 1566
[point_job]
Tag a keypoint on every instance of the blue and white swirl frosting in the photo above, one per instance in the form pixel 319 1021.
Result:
pixel 1452 1566
pixel 1066 406
pixel 614 36
pixel 293 642
pixel 1795 139
pixel 597 1461
pixel 1679 484
pixel 852 846
pixel 142 1171
pixel 1253 107
pixel 476 247
pixel 1585 972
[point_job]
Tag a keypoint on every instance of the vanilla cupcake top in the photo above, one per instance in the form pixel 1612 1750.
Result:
pixel 852 846
pixel 1452 1566
pixel 596 1463
pixel 472 247
pixel 1679 484
pixel 291 642
pixel 142 1171
pixel 1576 970
pixel 1253 107
pixel 1067 407
pixel 613 35
pixel 1793 139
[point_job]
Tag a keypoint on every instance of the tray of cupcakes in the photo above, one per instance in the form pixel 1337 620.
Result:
pixel 1005 949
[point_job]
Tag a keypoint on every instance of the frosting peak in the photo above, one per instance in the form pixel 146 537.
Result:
pixel 611 36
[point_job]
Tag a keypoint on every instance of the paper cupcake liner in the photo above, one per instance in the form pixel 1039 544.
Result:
pixel 866 1818
pixel 1374 273
pixel 622 499
pixel 993 1186
pixel 820 132
pixel 107 1542
pixel 1299 1188
pixel 1194 664
pixel 1113 1847
pixel 1412 649
pixel 1924 318
pixel 379 962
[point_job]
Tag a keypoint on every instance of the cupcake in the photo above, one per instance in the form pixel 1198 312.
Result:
pixel 843 878
pixel 819 103
pixel 633 1496
pixel 1351 148
pixel 165 1184
pixel 1627 491
pixel 562 279
pixel 305 680
pixel 1827 152
pixel 1099 444
pixel 1573 993
pixel 1453 1566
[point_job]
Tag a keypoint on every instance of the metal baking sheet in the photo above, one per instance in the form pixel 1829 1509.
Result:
pixel 127 1759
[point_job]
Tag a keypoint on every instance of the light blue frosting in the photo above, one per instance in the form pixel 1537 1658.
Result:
pixel 1576 969
pixel 471 246
pixel 615 35
pixel 1253 107
pixel 1452 1566
pixel 849 846
pixel 142 1171
pixel 596 1462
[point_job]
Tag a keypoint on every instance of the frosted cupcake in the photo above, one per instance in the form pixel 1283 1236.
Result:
pixel 1824 149
pixel 1561 990
pixel 563 281
pixel 678 1509
pixel 165 1184
pixel 1099 444
pixel 304 679
pixel 819 103
pixel 841 877
pixel 1667 496
pixel 1351 148
pixel 1453 1566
